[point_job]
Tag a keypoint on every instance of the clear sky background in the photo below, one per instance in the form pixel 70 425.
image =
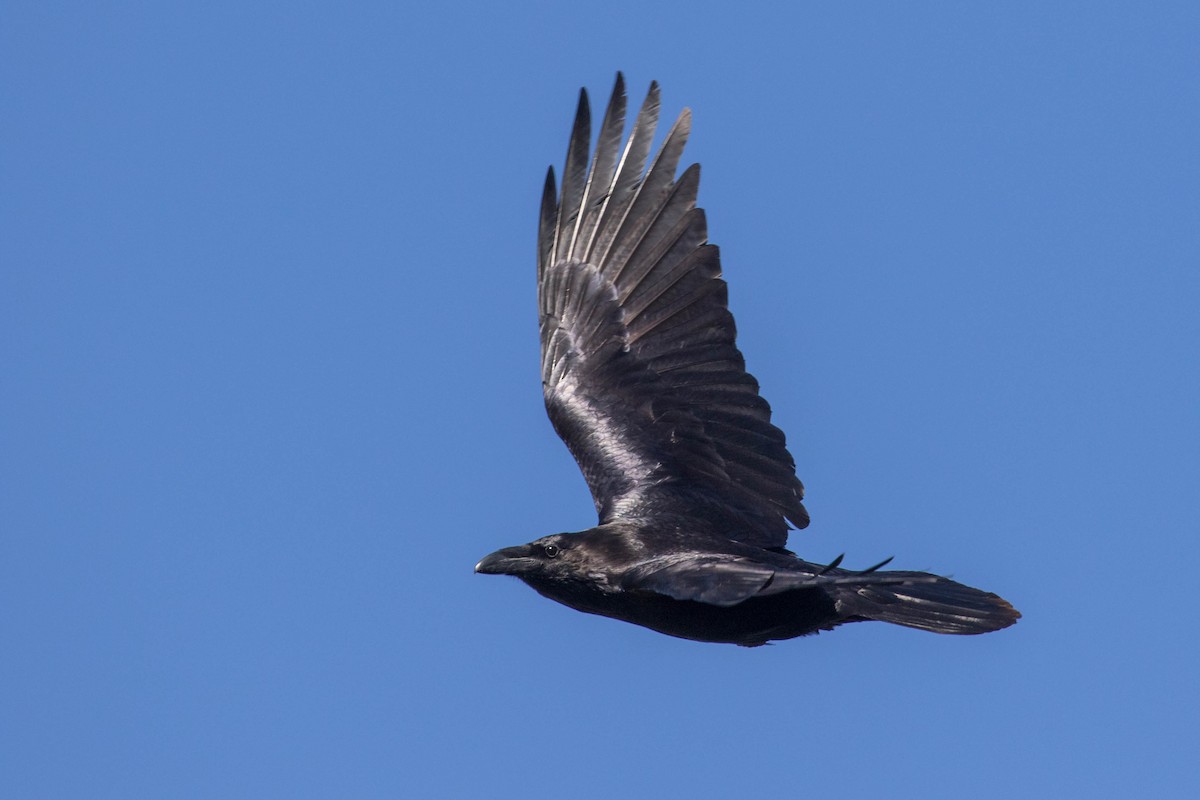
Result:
pixel 269 389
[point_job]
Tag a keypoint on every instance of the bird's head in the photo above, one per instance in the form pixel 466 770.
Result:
pixel 567 566
pixel 547 559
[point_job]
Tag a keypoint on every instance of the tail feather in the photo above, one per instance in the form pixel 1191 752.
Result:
pixel 941 605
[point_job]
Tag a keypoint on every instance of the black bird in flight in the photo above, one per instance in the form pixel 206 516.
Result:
pixel 643 382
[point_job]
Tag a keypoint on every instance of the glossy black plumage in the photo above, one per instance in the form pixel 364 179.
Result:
pixel 643 381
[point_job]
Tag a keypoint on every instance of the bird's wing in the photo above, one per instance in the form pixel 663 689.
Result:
pixel 722 580
pixel 641 375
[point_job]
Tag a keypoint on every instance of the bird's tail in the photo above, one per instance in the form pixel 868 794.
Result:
pixel 930 603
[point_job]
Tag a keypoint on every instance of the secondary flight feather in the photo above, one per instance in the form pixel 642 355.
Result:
pixel 643 381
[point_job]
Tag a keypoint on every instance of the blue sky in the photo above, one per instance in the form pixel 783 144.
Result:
pixel 269 390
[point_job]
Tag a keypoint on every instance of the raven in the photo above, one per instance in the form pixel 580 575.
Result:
pixel 694 487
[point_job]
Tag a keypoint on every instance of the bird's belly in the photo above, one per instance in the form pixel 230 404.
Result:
pixel 749 623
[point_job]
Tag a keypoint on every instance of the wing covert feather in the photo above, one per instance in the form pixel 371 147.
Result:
pixel 722 580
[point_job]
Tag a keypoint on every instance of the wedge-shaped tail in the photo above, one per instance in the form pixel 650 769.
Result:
pixel 940 605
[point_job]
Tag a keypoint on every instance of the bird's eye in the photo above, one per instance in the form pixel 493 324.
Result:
pixel 550 550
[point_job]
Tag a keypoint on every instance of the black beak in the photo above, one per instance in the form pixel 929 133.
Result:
pixel 508 561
